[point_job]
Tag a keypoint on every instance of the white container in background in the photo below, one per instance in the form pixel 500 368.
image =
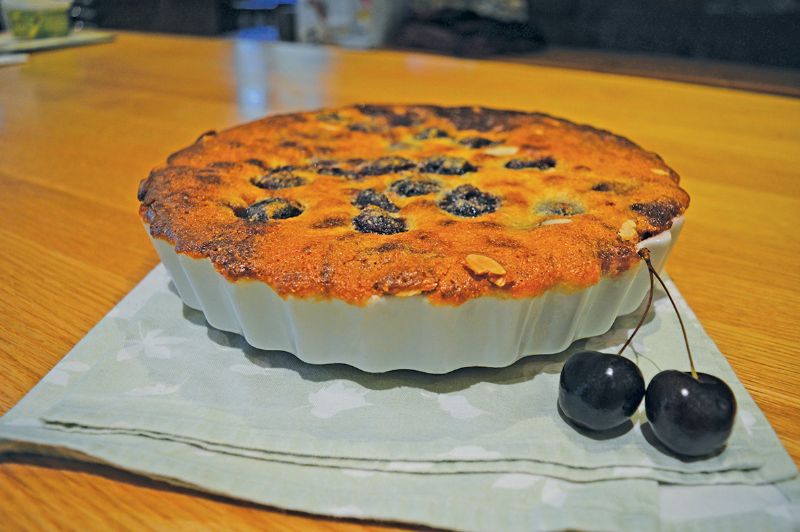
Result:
pixel 351 23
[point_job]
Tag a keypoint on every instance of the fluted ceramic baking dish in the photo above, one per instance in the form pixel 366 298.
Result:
pixel 390 333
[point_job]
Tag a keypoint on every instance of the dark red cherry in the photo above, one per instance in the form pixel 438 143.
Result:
pixel 691 417
pixel 599 391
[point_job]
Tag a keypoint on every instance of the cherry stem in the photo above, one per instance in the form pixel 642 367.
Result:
pixel 654 273
pixel 645 254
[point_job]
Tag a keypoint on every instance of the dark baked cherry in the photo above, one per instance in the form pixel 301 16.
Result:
pixel 613 186
pixel 385 165
pixel 364 127
pixel 398 146
pixel 447 166
pixel 478 118
pixel 278 178
pixel 272 209
pixel 344 169
pixel 469 201
pixel 331 116
pixel 330 222
pixel 599 391
pixel 376 220
pixel 690 416
pixel 223 164
pixel 659 213
pixel 414 187
pixel 559 208
pixel 261 164
pixel 539 164
pixel 407 118
pixel 476 142
pixel 431 133
pixel 372 197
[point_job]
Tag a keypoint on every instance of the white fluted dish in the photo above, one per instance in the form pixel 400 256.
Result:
pixel 409 332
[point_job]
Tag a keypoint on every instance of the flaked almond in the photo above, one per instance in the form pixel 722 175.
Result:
pixel 483 265
pixel 659 171
pixel 628 230
pixel 498 281
pixel 556 221
pixel 408 293
pixel 500 151
pixel 205 136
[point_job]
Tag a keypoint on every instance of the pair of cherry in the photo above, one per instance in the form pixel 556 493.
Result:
pixel 691 413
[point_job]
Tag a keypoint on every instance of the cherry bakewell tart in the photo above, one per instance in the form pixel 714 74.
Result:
pixel 412 236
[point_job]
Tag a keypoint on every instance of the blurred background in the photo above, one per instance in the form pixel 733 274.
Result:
pixel 746 44
pixel 761 32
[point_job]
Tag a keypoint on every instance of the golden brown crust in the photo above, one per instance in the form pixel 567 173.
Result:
pixel 554 203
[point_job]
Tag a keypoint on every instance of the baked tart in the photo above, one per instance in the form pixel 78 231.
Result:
pixel 411 236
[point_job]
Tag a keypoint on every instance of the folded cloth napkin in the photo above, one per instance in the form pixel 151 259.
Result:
pixel 166 374
pixel 154 389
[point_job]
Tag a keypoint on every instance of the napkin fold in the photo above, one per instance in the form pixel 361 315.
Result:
pixel 156 390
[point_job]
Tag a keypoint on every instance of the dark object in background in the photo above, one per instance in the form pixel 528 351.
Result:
pixel 196 17
pixel 762 32
pixel 265 20
pixel 254 19
pixel 467 34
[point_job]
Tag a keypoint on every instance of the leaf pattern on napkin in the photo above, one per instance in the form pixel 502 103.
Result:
pixel 748 420
pixel 60 374
pixel 458 407
pixel 553 494
pixel 335 398
pixel 151 343
pixel 156 389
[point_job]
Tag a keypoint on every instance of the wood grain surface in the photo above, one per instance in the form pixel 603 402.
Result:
pixel 80 127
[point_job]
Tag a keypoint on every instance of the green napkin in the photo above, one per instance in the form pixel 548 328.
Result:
pixel 154 389
pixel 167 374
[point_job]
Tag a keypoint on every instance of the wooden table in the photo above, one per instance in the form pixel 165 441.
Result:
pixel 80 127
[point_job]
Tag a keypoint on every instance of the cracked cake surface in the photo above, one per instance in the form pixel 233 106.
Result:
pixel 406 200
